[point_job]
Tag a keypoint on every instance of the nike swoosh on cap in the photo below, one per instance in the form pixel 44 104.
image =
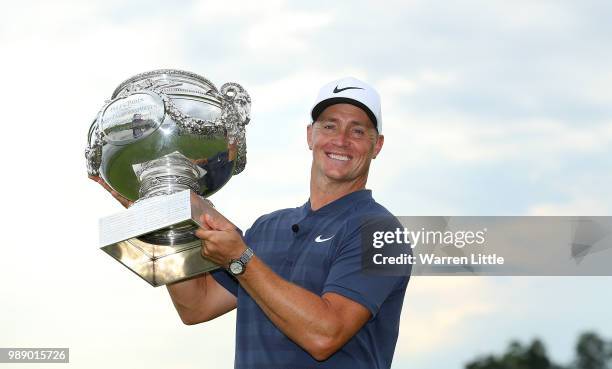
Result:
pixel 319 239
pixel 336 89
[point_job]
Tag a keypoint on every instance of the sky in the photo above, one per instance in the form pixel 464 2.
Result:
pixel 489 108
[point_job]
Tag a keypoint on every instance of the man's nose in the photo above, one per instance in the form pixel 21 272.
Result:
pixel 341 138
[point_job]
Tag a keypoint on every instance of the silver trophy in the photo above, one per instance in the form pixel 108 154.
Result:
pixel 166 140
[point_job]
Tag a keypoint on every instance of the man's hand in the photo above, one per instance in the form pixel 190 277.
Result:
pixel 125 202
pixel 221 243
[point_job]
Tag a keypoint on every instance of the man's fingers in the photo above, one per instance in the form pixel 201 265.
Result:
pixel 199 233
pixel 204 234
pixel 210 222
pixel 202 220
pixel 218 223
pixel 97 179
pixel 101 182
pixel 124 201
pixel 117 195
pixel 204 249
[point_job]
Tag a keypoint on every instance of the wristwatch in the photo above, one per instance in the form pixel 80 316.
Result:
pixel 238 266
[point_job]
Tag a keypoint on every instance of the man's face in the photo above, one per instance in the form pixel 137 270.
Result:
pixel 343 141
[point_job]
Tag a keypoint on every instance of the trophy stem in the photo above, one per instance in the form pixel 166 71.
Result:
pixel 167 175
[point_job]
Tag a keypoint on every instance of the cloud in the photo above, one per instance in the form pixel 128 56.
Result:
pixel 576 206
pixel 439 311
pixel 585 192
pixel 458 139
pixel 289 91
pixel 269 29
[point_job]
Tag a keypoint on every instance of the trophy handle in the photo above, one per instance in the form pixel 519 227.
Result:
pixel 93 151
pixel 235 115
pixel 237 103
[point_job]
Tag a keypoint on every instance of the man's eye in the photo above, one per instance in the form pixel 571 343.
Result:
pixel 359 132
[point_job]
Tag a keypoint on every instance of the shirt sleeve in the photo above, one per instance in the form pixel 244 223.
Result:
pixel 226 280
pixel 350 277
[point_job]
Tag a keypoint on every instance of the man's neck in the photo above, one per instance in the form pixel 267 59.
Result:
pixel 322 194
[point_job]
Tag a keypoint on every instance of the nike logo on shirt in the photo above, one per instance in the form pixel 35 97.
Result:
pixel 319 239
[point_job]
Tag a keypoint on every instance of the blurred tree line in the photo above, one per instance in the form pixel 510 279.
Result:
pixel 592 352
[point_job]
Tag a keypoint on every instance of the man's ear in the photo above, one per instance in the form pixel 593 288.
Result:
pixel 380 140
pixel 309 135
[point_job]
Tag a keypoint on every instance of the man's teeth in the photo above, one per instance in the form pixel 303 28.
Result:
pixel 339 157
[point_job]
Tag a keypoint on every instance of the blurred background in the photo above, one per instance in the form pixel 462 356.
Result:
pixel 490 108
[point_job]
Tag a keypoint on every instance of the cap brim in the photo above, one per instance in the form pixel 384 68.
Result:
pixel 318 109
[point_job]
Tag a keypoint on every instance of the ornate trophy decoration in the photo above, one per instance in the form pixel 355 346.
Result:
pixel 166 140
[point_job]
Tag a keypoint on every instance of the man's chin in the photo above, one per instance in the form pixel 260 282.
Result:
pixel 338 176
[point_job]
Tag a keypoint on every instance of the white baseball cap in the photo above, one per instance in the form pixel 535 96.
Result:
pixel 350 90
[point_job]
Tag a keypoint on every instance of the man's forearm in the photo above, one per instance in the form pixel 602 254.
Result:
pixel 188 297
pixel 306 318
pixel 200 299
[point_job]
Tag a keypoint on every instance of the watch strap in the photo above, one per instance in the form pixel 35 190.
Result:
pixel 246 256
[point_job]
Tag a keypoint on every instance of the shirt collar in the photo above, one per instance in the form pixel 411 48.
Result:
pixel 339 204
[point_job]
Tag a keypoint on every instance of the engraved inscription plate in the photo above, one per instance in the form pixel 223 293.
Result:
pixel 144 217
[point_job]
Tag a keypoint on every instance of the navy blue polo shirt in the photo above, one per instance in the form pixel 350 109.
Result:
pixel 320 251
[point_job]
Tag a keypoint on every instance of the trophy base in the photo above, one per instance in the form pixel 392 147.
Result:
pixel 120 237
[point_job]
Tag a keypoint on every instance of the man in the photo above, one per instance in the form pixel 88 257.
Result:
pixel 303 298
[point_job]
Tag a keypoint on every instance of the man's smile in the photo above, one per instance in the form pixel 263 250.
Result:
pixel 338 156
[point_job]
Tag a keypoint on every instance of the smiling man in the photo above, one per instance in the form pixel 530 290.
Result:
pixel 296 277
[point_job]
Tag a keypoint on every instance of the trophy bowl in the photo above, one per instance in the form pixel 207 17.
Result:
pixel 163 132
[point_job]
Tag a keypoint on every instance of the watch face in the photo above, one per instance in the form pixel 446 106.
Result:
pixel 236 267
